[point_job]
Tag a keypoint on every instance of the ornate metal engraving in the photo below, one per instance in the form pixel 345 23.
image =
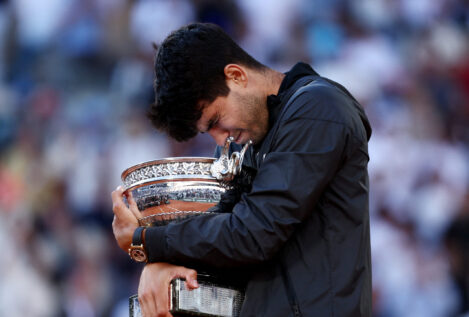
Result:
pixel 167 169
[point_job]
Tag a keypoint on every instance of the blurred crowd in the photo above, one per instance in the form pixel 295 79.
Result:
pixel 76 80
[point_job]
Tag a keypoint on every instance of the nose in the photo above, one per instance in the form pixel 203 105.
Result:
pixel 219 135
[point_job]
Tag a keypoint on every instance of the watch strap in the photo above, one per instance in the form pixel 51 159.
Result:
pixel 137 236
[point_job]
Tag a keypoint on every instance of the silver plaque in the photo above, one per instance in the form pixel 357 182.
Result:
pixel 209 299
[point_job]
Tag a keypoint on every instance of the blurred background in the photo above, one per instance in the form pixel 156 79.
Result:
pixel 75 83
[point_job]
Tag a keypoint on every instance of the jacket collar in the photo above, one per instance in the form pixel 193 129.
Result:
pixel 274 101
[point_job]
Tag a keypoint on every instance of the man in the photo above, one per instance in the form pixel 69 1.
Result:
pixel 303 228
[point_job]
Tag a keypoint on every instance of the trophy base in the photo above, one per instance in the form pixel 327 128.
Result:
pixel 210 299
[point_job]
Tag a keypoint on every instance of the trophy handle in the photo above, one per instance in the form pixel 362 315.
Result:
pixel 224 169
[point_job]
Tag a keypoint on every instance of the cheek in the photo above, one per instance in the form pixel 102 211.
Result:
pixel 230 122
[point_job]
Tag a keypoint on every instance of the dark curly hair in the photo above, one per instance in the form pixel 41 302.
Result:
pixel 189 68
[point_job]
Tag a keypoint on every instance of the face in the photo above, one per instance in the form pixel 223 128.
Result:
pixel 242 116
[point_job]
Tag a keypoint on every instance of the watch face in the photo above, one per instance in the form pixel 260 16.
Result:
pixel 138 254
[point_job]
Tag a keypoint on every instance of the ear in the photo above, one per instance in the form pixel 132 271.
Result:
pixel 237 74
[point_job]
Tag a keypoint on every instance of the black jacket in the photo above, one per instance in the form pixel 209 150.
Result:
pixel 303 229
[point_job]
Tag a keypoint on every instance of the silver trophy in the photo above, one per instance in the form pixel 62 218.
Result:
pixel 173 189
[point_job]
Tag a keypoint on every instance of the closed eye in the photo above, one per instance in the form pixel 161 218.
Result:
pixel 213 122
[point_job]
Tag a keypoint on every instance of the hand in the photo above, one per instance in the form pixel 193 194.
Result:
pixel 153 289
pixel 125 219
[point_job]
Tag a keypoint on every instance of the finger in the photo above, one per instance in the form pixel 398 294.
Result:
pixel 114 224
pixel 133 206
pixel 119 190
pixel 191 279
pixel 189 275
pixel 118 206
pixel 116 197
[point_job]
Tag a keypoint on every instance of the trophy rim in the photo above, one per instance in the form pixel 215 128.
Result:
pixel 166 160
pixel 207 181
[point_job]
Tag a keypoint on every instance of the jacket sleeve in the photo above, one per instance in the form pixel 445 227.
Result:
pixel 289 183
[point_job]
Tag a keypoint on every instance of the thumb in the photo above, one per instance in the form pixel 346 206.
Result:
pixel 190 277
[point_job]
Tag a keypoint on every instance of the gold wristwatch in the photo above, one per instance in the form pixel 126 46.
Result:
pixel 137 248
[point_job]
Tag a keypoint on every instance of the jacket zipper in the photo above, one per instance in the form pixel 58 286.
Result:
pixel 292 298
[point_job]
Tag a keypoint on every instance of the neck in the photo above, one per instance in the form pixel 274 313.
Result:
pixel 273 80
pixel 265 82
